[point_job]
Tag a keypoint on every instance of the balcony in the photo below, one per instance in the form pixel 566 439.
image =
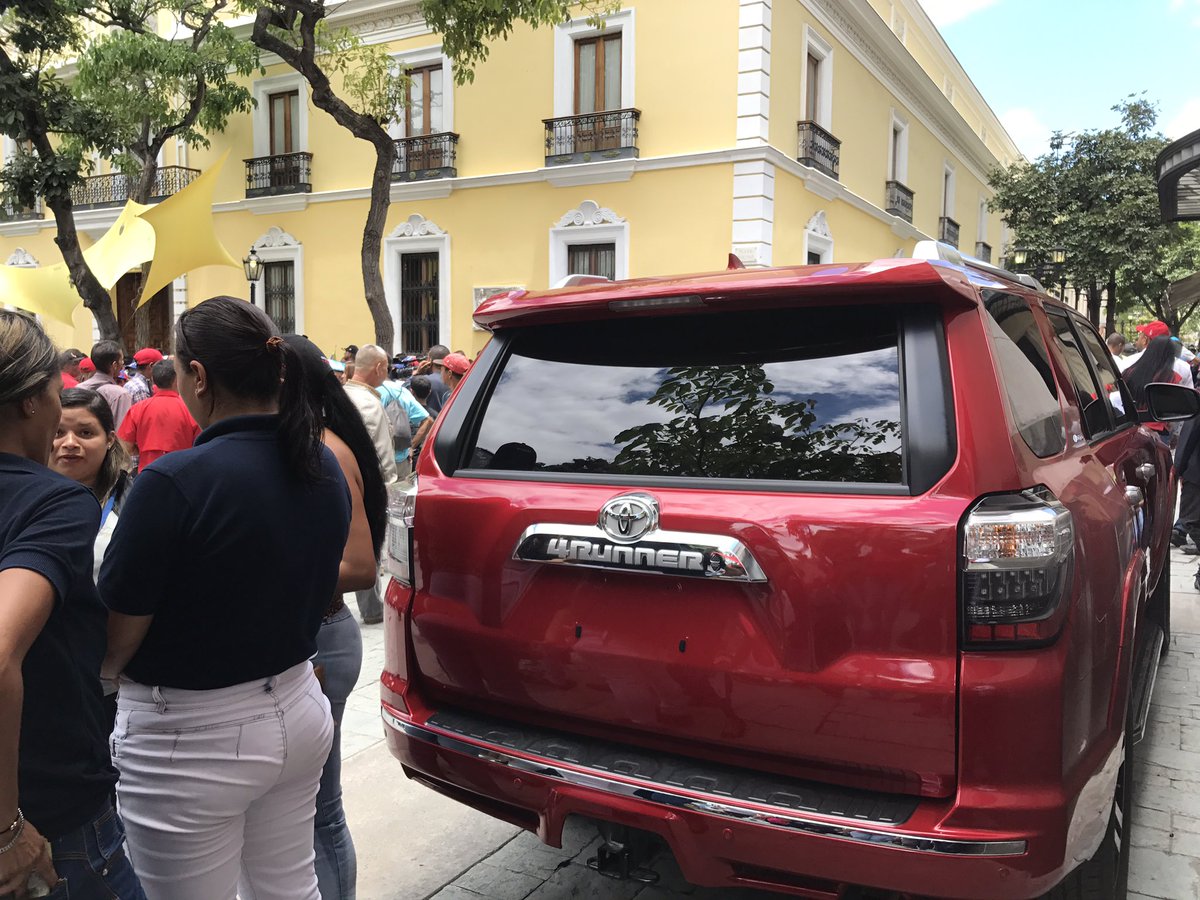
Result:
pixel 948 231
pixel 983 250
pixel 114 189
pixel 611 134
pixel 819 149
pixel 11 212
pixel 898 200
pixel 426 156
pixel 284 173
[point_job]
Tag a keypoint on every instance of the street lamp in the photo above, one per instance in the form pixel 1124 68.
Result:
pixel 253 267
pixel 1020 256
pixel 1058 256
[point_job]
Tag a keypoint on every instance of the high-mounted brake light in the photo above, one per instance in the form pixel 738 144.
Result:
pixel 1017 551
pixel 656 303
pixel 402 507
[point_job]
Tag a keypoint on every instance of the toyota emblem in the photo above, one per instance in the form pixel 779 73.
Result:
pixel 629 518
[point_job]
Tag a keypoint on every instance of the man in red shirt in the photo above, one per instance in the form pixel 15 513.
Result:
pixel 161 424
pixel 68 362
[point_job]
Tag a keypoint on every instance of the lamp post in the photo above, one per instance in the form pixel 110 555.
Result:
pixel 253 267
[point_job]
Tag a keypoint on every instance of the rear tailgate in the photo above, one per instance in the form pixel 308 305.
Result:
pixel 793 443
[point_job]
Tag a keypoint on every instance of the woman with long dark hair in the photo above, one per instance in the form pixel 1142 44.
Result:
pixel 1156 364
pixel 217 579
pixel 56 778
pixel 86 450
pixel 339 643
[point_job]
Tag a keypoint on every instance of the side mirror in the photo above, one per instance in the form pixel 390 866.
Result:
pixel 1171 402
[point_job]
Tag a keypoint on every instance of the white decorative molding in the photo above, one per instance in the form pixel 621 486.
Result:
pixel 281 203
pixel 410 191
pixel 417 235
pixel 588 213
pixel 275 237
pixel 580 174
pixel 567 34
pixel 818 239
pixel 589 223
pixel 754 73
pixel 417 226
pixel 22 259
pixel 276 245
pixel 753 212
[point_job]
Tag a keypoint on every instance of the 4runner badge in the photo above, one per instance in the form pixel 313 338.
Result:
pixel 628 518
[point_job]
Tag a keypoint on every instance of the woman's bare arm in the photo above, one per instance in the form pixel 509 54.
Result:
pixel 359 568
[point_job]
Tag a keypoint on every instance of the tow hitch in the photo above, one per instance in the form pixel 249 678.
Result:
pixel 624 853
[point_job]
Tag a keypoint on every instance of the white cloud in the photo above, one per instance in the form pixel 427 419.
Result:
pixel 1030 133
pixel 1185 121
pixel 947 12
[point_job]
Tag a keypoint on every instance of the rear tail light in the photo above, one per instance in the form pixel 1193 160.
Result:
pixel 402 506
pixel 1017 552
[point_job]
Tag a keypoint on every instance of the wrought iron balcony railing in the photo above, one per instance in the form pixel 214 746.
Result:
pixel 426 156
pixel 948 231
pixel 819 148
pixel 898 200
pixel 99 191
pixel 10 211
pixel 611 134
pixel 983 250
pixel 284 173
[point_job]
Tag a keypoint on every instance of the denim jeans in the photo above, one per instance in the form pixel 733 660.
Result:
pixel 218 788
pixel 339 650
pixel 91 862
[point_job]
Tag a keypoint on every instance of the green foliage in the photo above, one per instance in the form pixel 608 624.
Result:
pixel 1096 196
pixel 728 424
pixel 371 83
pixel 468 26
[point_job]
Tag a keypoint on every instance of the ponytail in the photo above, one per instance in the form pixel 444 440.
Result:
pixel 300 431
pixel 244 356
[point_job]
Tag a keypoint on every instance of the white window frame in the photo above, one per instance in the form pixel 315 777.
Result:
pixel 588 224
pixel 898 167
pixel 948 185
pixel 567 34
pixel 279 246
pixel 981 233
pixel 817 46
pixel 262 90
pixel 417 235
pixel 414 59
pixel 818 239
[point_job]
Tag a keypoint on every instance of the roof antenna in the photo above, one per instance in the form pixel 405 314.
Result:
pixel 735 262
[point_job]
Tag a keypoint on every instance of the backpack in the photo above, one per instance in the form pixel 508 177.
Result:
pixel 401 427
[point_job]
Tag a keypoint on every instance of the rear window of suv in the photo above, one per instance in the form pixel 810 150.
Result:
pixel 809 394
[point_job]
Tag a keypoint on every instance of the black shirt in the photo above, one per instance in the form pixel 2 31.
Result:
pixel 438 392
pixel 235 559
pixel 49 526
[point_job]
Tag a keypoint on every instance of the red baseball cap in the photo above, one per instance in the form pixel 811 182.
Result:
pixel 456 363
pixel 147 356
pixel 1154 329
pixel 86 365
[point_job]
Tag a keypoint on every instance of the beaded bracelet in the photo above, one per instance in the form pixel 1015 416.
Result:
pixel 17 828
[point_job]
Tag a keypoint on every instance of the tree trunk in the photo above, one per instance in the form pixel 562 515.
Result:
pixel 1110 319
pixel 1093 301
pixel 95 297
pixel 1112 290
pixel 381 198
pixel 142 191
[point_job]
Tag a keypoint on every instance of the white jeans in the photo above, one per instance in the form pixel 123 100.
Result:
pixel 218 788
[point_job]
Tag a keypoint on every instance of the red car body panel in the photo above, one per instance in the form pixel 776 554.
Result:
pixel 846 668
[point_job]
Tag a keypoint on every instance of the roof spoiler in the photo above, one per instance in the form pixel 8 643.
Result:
pixel 951 254
pixel 576 280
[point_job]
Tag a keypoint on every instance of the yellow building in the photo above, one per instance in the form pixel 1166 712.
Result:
pixel 785 131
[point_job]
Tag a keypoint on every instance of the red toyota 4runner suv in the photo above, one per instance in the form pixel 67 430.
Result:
pixel 843 580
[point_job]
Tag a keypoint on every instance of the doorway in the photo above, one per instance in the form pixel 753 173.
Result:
pixel 419 290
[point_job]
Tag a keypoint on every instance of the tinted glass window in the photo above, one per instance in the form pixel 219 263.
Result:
pixel 1025 373
pixel 1102 360
pixel 1093 402
pixel 798 395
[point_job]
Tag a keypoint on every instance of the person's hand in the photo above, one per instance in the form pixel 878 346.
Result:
pixel 424 367
pixel 31 854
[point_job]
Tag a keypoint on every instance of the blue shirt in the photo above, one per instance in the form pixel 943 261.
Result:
pixel 235 559
pixel 49 525
pixel 394 392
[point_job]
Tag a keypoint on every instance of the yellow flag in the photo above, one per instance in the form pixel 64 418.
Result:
pixel 125 246
pixel 184 236
pixel 45 291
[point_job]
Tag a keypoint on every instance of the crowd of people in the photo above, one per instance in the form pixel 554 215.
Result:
pixel 164 654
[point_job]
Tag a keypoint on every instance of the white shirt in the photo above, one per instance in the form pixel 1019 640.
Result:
pixel 1182 369
pixel 370 407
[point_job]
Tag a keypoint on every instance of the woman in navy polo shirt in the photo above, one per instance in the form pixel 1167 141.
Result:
pixel 217 579
pixel 53 758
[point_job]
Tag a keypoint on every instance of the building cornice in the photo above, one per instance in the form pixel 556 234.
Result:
pixel 858 27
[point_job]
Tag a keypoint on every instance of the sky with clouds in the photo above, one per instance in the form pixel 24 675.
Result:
pixel 1062 64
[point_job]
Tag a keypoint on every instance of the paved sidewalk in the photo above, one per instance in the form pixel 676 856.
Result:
pixel 413 843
